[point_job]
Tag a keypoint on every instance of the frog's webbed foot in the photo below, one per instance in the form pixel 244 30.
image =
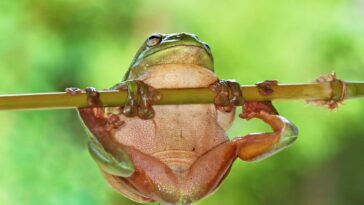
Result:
pixel 265 87
pixel 140 99
pixel 228 95
pixel 249 107
pixel 73 91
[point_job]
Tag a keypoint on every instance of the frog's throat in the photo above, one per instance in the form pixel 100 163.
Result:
pixel 181 54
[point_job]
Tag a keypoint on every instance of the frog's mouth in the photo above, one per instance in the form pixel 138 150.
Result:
pixel 180 54
pixel 207 50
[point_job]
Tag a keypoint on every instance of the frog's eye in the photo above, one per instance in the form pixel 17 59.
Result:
pixel 154 39
pixel 207 46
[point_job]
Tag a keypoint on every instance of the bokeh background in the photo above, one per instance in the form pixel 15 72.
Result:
pixel 50 45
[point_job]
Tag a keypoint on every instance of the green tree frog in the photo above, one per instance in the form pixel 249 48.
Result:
pixel 176 154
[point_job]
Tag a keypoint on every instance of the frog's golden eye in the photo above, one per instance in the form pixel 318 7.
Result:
pixel 154 39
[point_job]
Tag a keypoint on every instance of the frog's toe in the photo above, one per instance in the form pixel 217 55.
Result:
pixel 120 165
pixel 93 97
pixel 228 95
pixel 130 107
pixel 265 87
pixel 73 91
pixel 140 98
pixel 145 110
pixel 250 108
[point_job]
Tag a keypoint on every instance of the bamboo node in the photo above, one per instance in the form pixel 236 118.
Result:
pixel 338 91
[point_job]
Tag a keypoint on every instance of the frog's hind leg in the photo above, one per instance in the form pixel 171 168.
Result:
pixel 155 180
pixel 261 145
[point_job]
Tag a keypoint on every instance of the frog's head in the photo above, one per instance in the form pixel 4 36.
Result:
pixel 178 48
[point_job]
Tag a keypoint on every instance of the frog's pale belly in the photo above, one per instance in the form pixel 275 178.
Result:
pixel 178 134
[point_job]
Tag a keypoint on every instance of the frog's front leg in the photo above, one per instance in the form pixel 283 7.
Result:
pixel 110 156
pixel 261 145
pixel 104 148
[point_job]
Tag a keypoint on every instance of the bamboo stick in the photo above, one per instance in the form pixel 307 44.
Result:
pixel 334 90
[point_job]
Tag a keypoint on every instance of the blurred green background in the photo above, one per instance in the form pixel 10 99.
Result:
pixel 49 45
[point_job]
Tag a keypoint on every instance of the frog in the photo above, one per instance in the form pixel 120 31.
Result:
pixel 177 154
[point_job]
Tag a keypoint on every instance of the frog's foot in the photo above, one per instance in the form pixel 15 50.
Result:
pixel 93 100
pixel 140 99
pixel 336 99
pixel 228 95
pixel 265 87
pixel 113 122
pixel 118 163
pixel 93 96
pixel 250 108
pixel 73 91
